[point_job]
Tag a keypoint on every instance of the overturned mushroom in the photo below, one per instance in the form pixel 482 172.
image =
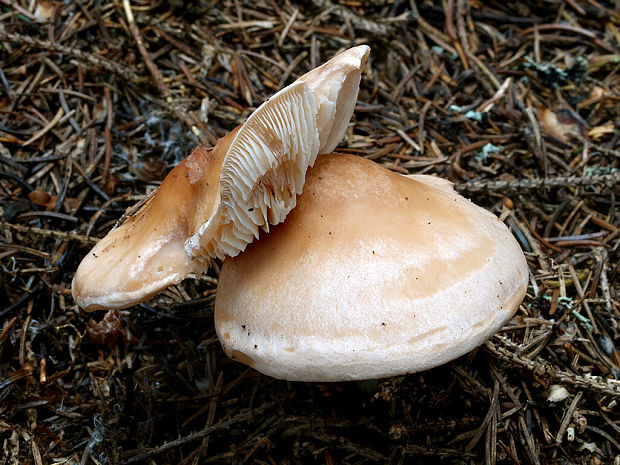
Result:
pixel 373 274
pixel 216 200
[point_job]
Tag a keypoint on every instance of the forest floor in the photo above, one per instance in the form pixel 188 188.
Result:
pixel 517 104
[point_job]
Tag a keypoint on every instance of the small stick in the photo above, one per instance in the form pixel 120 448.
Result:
pixel 485 69
pixel 421 133
pixel 135 32
pixel 537 183
pixel 62 235
pixel 569 28
pixel 462 34
pixel 47 128
pixel 178 110
pixel 592 383
pixel 91 58
pixel 567 417
pixel 449 11
pixel 287 27
pixel 19 9
pixel 108 136
pixel 486 106
pixel 195 436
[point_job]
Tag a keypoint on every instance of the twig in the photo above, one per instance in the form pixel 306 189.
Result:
pixel 178 110
pixel 19 9
pixel 414 449
pixel 66 236
pixel 485 69
pixel 567 417
pixel 600 432
pixel 91 58
pixel 569 28
pixel 197 435
pixel 358 22
pixel 486 106
pixel 591 383
pixel 148 61
pixel 530 184
pixel 46 129
pixel 108 135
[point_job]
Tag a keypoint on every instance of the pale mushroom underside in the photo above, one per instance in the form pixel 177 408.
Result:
pixel 262 173
pixel 215 201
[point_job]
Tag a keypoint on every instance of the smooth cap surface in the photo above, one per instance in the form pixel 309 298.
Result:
pixel 373 274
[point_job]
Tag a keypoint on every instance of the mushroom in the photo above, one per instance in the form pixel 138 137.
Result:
pixel 373 274
pixel 44 11
pixel 215 201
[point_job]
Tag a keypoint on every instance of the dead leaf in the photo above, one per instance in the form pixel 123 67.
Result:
pixel 42 198
pixel 597 132
pixel 148 168
pixel 561 125
pixel 108 331
pixel 597 94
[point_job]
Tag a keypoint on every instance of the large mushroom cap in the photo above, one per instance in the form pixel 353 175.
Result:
pixel 214 203
pixel 373 274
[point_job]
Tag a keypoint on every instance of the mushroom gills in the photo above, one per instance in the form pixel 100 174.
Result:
pixel 215 201
pixel 262 173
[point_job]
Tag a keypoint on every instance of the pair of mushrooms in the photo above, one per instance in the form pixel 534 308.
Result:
pixel 372 274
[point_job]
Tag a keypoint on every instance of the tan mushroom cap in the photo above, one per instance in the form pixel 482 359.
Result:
pixel 146 254
pixel 373 274
pixel 215 202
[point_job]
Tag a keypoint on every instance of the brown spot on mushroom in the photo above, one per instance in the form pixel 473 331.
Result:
pixel 242 357
pixel 426 334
